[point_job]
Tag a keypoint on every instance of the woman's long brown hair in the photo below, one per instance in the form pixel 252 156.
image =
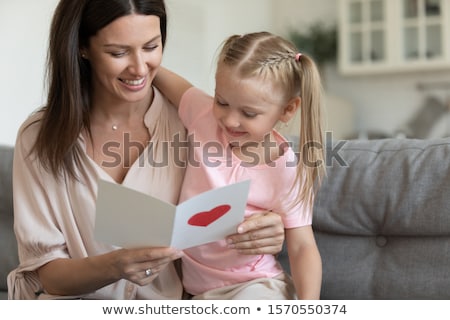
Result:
pixel 67 109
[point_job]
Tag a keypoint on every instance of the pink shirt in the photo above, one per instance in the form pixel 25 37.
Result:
pixel 212 165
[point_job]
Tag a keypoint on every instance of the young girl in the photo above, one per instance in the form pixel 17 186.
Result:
pixel 261 79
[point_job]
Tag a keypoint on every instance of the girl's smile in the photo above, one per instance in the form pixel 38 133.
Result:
pixel 233 133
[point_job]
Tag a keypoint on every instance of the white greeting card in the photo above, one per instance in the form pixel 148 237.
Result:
pixel 129 218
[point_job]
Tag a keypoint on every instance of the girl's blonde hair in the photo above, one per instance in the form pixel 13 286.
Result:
pixel 272 58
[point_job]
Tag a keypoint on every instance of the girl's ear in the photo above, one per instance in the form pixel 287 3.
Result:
pixel 290 109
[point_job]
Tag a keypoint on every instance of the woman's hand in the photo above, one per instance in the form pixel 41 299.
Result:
pixel 71 277
pixel 261 233
pixel 142 266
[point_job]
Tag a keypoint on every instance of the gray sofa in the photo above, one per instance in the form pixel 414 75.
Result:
pixel 383 222
pixel 8 245
pixel 381 219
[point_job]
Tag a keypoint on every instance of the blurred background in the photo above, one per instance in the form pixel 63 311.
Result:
pixel 385 64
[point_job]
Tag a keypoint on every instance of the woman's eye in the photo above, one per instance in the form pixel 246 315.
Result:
pixel 150 48
pixel 117 54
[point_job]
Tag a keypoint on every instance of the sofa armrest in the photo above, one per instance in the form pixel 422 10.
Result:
pixel 8 247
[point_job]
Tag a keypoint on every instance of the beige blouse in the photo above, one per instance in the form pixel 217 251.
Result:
pixel 55 218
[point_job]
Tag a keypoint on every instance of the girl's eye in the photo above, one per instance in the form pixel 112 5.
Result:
pixel 249 114
pixel 221 103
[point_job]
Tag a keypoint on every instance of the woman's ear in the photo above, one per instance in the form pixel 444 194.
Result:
pixel 83 53
pixel 290 109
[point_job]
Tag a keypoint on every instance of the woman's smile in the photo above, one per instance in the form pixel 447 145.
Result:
pixel 134 85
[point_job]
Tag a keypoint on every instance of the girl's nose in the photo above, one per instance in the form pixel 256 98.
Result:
pixel 231 119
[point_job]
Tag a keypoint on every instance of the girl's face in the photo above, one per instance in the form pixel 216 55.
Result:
pixel 124 57
pixel 246 109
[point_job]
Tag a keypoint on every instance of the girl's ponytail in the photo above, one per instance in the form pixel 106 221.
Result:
pixel 311 164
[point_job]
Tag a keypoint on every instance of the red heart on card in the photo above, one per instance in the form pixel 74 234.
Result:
pixel 205 218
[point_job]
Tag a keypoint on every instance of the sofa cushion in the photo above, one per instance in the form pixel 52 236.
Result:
pixel 8 247
pixel 382 220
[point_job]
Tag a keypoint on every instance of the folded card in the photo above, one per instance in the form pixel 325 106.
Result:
pixel 129 218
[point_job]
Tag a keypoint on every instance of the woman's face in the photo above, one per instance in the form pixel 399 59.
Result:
pixel 124 57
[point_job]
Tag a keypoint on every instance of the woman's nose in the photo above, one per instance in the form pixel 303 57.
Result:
pixel 138 65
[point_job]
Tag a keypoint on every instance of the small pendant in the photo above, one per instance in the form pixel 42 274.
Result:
pixel 114 127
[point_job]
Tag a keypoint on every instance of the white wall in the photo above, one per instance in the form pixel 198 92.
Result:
pixel 196 29
pixel 300 14
pixel 23 32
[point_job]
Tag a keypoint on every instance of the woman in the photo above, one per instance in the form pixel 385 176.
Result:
pixel 102 113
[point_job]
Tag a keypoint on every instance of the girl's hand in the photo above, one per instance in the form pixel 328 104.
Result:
pixel 261 233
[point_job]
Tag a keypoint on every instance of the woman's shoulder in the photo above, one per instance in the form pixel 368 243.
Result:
pixel 162 111
pixel 33 119
pixel 29 129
